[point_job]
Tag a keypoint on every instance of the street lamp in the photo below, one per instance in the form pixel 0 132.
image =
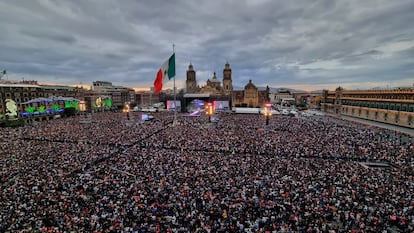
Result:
pixel 126 110
pixel 267 112
pixel 209 111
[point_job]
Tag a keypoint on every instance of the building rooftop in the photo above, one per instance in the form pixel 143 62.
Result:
pixel 196 95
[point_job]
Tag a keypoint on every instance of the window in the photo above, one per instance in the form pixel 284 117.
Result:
pixel 397 107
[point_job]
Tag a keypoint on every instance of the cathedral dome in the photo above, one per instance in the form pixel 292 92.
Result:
pixel 250 85
pixel 215 79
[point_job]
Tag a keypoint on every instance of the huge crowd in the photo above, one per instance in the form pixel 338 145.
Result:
pixel 116 174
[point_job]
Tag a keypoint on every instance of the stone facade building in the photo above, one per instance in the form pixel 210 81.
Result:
pixel 213 86
pixel 388 106
pixel 250 96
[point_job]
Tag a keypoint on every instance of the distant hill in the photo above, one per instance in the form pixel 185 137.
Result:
pixel 317 91
pixel 278 89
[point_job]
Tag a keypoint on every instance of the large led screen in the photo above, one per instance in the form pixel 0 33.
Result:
pixel 171 105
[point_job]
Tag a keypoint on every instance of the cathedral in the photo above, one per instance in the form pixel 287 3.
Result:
pixel 213 86
pixel 250 96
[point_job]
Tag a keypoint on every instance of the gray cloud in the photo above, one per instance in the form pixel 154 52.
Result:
pixel 42 34
pixel 291 43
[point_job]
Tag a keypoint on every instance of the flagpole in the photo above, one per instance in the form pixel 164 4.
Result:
pixel 175 96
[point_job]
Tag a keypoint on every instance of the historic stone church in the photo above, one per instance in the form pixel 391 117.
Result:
pixel 250 96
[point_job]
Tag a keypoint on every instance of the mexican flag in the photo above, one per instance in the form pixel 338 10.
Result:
pixel 164 74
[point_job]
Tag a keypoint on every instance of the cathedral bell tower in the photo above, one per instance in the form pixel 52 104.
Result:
pixel 191 82
pixel 227 81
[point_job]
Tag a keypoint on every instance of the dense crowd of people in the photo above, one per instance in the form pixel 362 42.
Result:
pixel 116 174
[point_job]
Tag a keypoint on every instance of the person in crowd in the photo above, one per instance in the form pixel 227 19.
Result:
pixel 235 175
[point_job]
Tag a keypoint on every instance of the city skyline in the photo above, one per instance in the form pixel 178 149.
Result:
pixel 298 45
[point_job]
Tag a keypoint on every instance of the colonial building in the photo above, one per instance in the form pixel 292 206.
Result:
pixel 191 82
pixel 118 94
pixel 227 80
pixel 30 93
pixel 147 98
pixel 250 96
pixel 213 86
pixel 24 91
pixel 389 106
pixel 33 101
pixel 278 96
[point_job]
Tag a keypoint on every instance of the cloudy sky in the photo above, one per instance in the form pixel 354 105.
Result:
pixel 302 44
